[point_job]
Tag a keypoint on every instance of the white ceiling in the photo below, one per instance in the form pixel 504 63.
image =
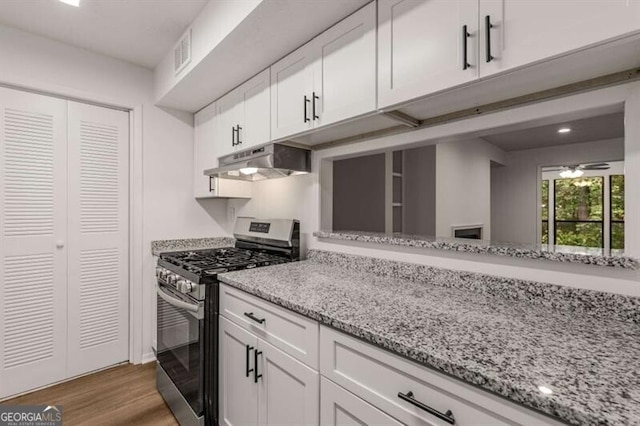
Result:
pixel 596 128
pixel 136 31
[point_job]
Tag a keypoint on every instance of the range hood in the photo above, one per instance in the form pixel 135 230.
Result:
pixel 267 162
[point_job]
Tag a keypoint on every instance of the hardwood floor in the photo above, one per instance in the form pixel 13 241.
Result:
pixel 123 395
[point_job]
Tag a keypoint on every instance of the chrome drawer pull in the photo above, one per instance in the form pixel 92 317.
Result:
pixel 251 316
pixel 447 417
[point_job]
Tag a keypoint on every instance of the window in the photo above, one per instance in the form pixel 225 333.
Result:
pixel 544 204
pixel 585 211
pixel 579 212
pixel 617 211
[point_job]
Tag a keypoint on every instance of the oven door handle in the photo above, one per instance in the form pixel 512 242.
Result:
pixel 176 302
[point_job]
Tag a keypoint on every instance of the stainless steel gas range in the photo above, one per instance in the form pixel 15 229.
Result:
pixel 187 319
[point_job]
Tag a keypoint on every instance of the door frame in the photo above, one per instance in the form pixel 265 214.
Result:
pixel 136 251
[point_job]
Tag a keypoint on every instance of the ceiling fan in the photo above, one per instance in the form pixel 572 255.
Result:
pixel 575 170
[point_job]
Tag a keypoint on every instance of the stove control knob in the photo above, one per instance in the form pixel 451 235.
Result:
pixel 184 286
pixel 161 273
pixel 171 278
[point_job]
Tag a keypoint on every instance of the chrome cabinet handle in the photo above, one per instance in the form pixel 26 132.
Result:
pixel 447 417
pixel 254 318
pixel 238 141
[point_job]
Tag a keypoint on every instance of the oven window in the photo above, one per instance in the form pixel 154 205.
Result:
pixel 180 351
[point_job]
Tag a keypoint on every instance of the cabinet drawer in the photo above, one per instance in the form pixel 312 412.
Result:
pixel 290 332
pixel 340 407
pixel 378 377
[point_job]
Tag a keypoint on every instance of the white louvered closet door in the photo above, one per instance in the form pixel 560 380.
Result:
pixel 33 230
pixel 98 237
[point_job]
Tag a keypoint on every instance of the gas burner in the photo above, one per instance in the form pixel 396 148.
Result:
pixel 199 265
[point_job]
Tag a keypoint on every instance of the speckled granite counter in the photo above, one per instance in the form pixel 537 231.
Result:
pixel 568 254
pixel 506 345
pixel 161 246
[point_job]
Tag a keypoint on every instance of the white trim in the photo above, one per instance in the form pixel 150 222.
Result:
pixel 147 358
pixel 136 252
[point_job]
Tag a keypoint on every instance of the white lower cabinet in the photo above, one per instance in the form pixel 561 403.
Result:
pixel 340 407
pixel 410 393
pixel 238 392
pixel 289 391
pixel 264 382
pixel 261 385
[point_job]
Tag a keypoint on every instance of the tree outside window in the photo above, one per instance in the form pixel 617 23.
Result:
pixel 578 214
pixel 617 211
pixel 545 211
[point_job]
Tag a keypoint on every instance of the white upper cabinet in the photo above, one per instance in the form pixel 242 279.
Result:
pixel 208 145
pixel 344 71
pixel 228 112
pixel 243 118
pixel 255 118
pixel 521 32
pixel 291 93
pixel 426 46
pixel 422 46
pixel 330 79
pixel 204 155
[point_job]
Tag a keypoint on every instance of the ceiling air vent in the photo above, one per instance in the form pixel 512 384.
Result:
pixel 182 52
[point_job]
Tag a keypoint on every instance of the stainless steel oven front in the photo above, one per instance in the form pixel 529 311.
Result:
pixel 181 353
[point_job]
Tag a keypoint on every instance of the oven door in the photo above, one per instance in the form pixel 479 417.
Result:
pixel 180 323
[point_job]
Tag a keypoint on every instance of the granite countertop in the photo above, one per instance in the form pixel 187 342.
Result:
pixel 163 246
pixel 567 254
pixel 504 345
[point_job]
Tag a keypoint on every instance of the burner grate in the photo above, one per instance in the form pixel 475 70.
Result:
pixel 210 262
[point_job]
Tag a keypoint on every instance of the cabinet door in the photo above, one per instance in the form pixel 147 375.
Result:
pixel 33 230
pixel 228 117
pixel 421 46
pixel 291 87
pixel 238 392
pixel 289 390
pixel 528 31
pixel 339 407
pixel 98 255
pixel 345 68
pixel 204 151
pixel 256 106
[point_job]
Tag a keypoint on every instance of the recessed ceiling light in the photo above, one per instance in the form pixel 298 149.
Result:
pixel 564 130
pixel 75 3
pixel 545 390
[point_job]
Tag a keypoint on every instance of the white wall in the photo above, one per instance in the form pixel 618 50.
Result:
pixel 515 198
pixel 217 19
pixel 463 185
pixel 164 158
